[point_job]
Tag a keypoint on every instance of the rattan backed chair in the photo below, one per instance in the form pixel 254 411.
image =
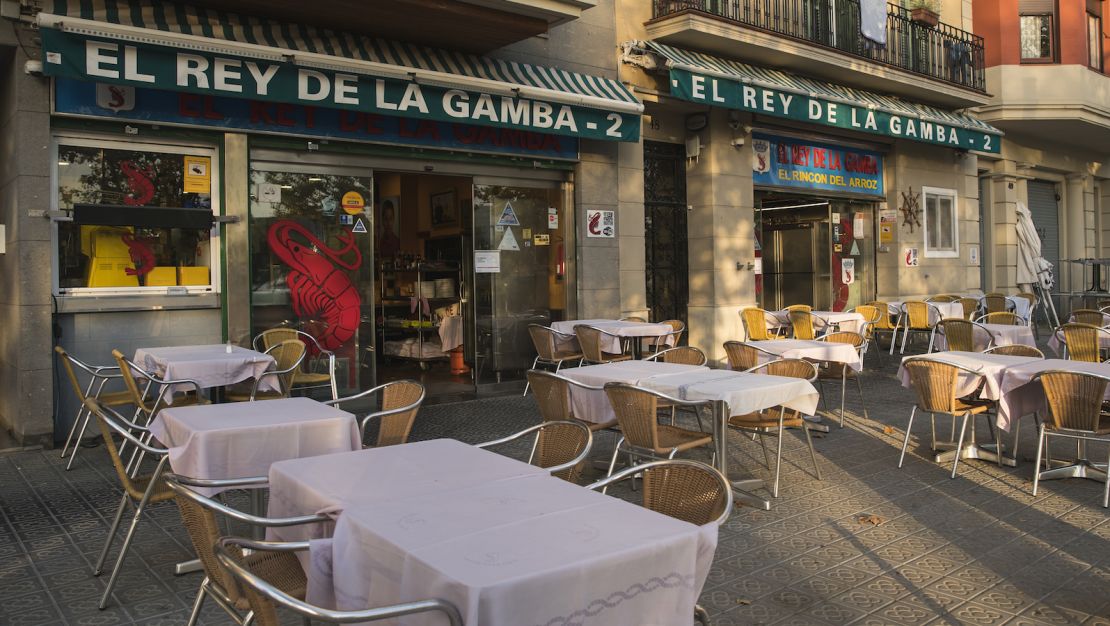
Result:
pixel 1016 349
pixel 755 324
pixel 1031 298
pixel 592 340
pixel 201 516
pixel 996 303
pixel 1075 411
pixel 641 433
pixel 140 490
pixel 670 340
pixel 683 355
pixel 842 372
pixel 1000 317
pixel 552 393
pixel 798 307
pixel 687 490
pixel 264 597
pixel 1088 316
pixel 561 447
pixel 970 307
pixel 871 315
pixel 935 384
pixel 944 297
pixel 775 420
pixel 318 368
pixel 633 318
pixel 959 335
pixel 138 382
pixel 801 324
pixel 744 356
pixel 916 316
pixel 552 348
pixel 288 356
pixel 399 404
pixel 99 376
pixel 883 323
pixel 1083 342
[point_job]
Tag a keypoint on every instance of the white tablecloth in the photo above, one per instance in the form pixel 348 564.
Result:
pixel 988 370
pixel 1019 396
pixel 451 332
pixel 946 309
pixel 333 482
pixel 744 393
pixel 208 365
pixel 1002 334
pixel 535 550
pixel 618 328
pixel 825 351
pixel 593 406
pixel 844 320
pixel 242 439
pixel 1021 307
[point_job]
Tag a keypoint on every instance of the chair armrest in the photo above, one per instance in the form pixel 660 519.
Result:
pixel 556 468
pixel 636 469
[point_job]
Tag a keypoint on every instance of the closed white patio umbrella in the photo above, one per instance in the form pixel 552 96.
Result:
pixel 1033 271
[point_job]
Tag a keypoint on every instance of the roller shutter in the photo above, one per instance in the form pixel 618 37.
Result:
pixel 1046 217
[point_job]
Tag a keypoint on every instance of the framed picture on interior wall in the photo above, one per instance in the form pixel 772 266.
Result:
pixel 389 227
pixel 444 210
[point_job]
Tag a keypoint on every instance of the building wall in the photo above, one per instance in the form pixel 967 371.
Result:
pixel 26 360
pixel 997 21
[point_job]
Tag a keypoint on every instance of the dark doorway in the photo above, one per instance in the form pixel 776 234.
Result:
pixel 665 230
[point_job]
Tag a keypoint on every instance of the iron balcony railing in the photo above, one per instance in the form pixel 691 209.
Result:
pixel 942 52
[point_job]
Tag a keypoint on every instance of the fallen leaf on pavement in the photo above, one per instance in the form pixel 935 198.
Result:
pixel 874 520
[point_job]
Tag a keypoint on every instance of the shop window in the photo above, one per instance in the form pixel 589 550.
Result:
pixel 1094 41
pixel 941 223
pixel 1037 38
pixel 136 218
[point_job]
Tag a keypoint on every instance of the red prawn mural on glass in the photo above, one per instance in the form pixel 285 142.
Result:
pixel 318 286
pixel 139 180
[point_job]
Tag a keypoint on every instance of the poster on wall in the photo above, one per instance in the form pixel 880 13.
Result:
pixel 780 161
pixel 198 175
pixel 886 226
pixel 601 223
pixel 487 261
pixel 973 255
pixel 847 271
pixel 910 257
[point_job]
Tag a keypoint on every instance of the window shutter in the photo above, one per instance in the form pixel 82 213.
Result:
pixel 1094 7
pixel 1036 7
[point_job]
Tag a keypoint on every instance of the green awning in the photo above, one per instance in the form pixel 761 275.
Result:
pixel 498 92
pixel 699 77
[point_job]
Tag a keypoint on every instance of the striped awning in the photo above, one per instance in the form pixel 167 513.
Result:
pixel 689 62
pixel 186 26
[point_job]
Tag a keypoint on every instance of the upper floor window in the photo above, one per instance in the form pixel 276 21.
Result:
pixel 1037 35
pixel 941 223
pixel 1094 41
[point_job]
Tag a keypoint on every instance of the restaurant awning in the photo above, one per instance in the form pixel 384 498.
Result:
pixel 179 47
pixel 703 78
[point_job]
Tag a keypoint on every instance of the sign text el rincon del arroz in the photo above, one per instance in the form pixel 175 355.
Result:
pixel 162 67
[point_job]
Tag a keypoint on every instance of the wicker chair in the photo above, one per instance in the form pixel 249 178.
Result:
pixel 944 297
pixel 1102 303
pixel 641 433
pixel 801 324
pixel 199 516
pixel 970 307
pixel 289 355
pixel 1032 300
pixel 999 317
pixel 633 318
pixel 683 355
pixel 775 420
pixel 547 342
pixel 1088 316
pixel 755 324
pixel 935 383
pixel 400 402
pixel 560 447
pixel 871 315
pixel 744 356
pixel 671 339
pixel 1083 342
pixel 996 303
pixel 140 491
pixel 1016 349
pixel 308 376
pixel 99 376
pixel 842 372
pixel 591 339
pixel 552 393
pixel 149 406
pixel 799 307
pixel 264 596
pixel 959 334
pixel 916 317
pixel 1075 411
pixel 883 324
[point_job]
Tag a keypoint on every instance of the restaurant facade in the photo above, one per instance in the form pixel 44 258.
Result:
pixel 182 175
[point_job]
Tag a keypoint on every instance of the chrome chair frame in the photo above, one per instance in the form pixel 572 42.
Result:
pixel 990 335
pixel 621 341
pixel 165 385
pixel 320 351
pixel 661 355
pixel 98 378
pixel 362 423
pixel 994 349
pixel 555 469
pixel 312 612
pixel 903 317
pixel 1102 331
pixel 754 345
pixel 861 350
pixel 279 373
pixel 558 363
pixel 1082 467
pixel 782 417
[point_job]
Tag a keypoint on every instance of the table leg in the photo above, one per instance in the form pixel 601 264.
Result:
pixel 740 488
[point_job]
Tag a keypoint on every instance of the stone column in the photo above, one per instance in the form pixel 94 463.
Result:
pixel 970 215
pixel 1003 243
pixel 1103 198
pixel 596 184
pixel 237 286
pixel 630 235
pixel 1079 220
pixel 721 236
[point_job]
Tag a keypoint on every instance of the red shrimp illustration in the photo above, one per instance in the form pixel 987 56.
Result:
pixel 141 255
pixel 138 179
pixel 316 285
pixel 595 224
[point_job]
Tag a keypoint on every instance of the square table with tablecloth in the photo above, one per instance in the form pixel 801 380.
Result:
pixel 529 550
pixel 825 320
pixel 812 350
pixel 1019 395
pixel 635 331
pixel 208 365
pixel 593 405
pixel 242 439
pixel 1000 335
pixel 986 380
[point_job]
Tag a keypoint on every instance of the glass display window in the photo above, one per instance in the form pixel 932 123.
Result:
pixel 135 218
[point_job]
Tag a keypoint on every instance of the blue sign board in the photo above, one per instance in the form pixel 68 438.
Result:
pixel 799 163
pixel 125 103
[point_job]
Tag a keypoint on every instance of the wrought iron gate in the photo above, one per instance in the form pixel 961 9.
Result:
pixel 665 230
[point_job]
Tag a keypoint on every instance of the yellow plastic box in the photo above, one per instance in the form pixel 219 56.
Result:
pixel 162 277
pixel 197 275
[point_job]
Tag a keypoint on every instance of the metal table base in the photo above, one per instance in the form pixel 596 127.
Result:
pixel 741 489
pixel 1080 468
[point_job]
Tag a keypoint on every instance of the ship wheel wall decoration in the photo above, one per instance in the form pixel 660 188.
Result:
pixel 911 209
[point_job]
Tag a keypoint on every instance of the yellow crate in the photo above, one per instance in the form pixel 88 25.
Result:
pixel 111 272
pixel 162 277
pixel 192 275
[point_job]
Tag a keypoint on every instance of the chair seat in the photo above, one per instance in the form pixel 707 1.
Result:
pixel 161 493
pixel 115 398
pixel 766 419
pixel 311 378
pixel 671 437
pixel 595 426
pixel 281 569
pixel 566 356
pixel 608 356
pixel 1102 429
pixel 185 399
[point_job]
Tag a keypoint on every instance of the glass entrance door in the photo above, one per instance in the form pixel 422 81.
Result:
pixel 519 245
pixel 312 246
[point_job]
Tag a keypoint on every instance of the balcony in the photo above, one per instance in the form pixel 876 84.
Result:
pixel 822 39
